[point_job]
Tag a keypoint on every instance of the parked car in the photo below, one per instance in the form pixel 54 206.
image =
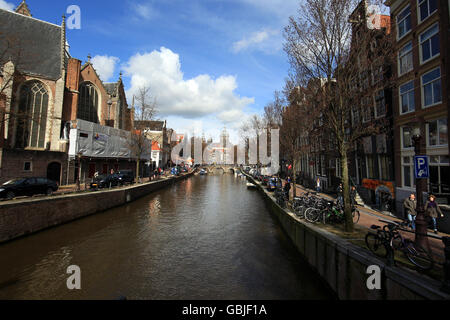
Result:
pixel 105 181
pixel 272 184
pixel 126 176
pixel 27 187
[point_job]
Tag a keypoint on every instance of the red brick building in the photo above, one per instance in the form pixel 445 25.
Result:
pixel 88 98
pixel 43 93
pixel 421 94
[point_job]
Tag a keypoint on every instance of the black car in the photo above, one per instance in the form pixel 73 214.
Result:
pixel 126 176
pixel 105 181
pixel 27 187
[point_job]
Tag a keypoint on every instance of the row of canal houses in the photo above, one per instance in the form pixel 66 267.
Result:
pixel 416 95
pixel 58 119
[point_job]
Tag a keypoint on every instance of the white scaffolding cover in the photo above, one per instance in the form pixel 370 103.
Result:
pixel 93 140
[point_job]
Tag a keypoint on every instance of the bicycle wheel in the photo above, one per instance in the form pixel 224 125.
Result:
pixel 418 256
pixel 298 210
pixel 356 216
pixel 375 244
pixel 311 214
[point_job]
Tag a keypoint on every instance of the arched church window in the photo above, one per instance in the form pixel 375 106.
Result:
pixel 32 115
pixel 88 103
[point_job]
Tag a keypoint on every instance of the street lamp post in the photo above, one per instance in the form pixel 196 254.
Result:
pixel 421 223
pixel 78 182
pixel 109 103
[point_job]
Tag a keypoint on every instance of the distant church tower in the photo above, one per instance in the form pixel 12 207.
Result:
pixel 224 141
pixel 23 9
pixel 224 137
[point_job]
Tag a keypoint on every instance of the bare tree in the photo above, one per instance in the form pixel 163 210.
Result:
pixel 145 110
pixel 318 44
pixel 273 111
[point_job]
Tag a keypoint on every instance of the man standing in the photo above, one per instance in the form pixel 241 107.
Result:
pixel 410 206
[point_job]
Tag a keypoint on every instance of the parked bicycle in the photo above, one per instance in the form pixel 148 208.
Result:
pixel 281 198
pixel 388 238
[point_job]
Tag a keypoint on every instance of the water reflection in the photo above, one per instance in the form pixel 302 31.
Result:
pixel 204 238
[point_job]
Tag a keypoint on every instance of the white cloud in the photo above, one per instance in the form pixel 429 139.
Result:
pixel 145 11
pixel 6 5
pixel 189 98
pixel 105 66
pixel 264 40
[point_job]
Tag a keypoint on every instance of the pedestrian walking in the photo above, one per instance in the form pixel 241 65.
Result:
pixel 340 198
pixel 353 196
pixel 410 207
pixel 433 210
pixel 287 187
pixel 318 185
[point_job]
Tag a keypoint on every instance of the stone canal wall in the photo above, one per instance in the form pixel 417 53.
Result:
pixel 343 265
pixel 29 215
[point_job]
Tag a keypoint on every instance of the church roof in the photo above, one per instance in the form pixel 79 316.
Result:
pixel 152 125
pixel 23 9
pixel 33 45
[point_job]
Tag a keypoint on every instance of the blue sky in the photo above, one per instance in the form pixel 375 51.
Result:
pixel 210 62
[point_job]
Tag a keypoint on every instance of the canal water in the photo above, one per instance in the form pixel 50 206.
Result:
pixel 208 237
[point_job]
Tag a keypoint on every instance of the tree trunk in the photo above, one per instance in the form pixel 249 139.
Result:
pixel 137 169
pixel 346 191
pixel 294 192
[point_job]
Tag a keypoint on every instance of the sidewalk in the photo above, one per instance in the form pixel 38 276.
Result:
pixel 371 217
pixel 71 188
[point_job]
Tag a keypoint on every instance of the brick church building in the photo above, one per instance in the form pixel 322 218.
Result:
pixel 44 92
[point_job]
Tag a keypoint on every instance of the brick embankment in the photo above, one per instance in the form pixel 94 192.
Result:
pixel 28 215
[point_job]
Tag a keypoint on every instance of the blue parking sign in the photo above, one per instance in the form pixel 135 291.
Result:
pixel 421 169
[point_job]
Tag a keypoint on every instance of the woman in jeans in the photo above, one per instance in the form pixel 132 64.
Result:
pixel 433 210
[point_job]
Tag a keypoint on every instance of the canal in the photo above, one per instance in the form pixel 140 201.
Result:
pixel 207 237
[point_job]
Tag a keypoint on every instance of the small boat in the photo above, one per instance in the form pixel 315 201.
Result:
pixel 203 172
pixel 250 185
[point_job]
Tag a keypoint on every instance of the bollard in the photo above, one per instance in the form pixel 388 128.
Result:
pixel 389 255
pixel 446 285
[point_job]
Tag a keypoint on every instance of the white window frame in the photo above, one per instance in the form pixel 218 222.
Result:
pixel 419 18
pixel 376 115
pixel 397 22
pixel 429 39
pixel 422 87
pixel 377 73
pixel 404 55
pixel 439 165
pixel 366 107
pixel 380 167
pixel 407 92
pixel 427 127
pixel 411 171
pixel 401 140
